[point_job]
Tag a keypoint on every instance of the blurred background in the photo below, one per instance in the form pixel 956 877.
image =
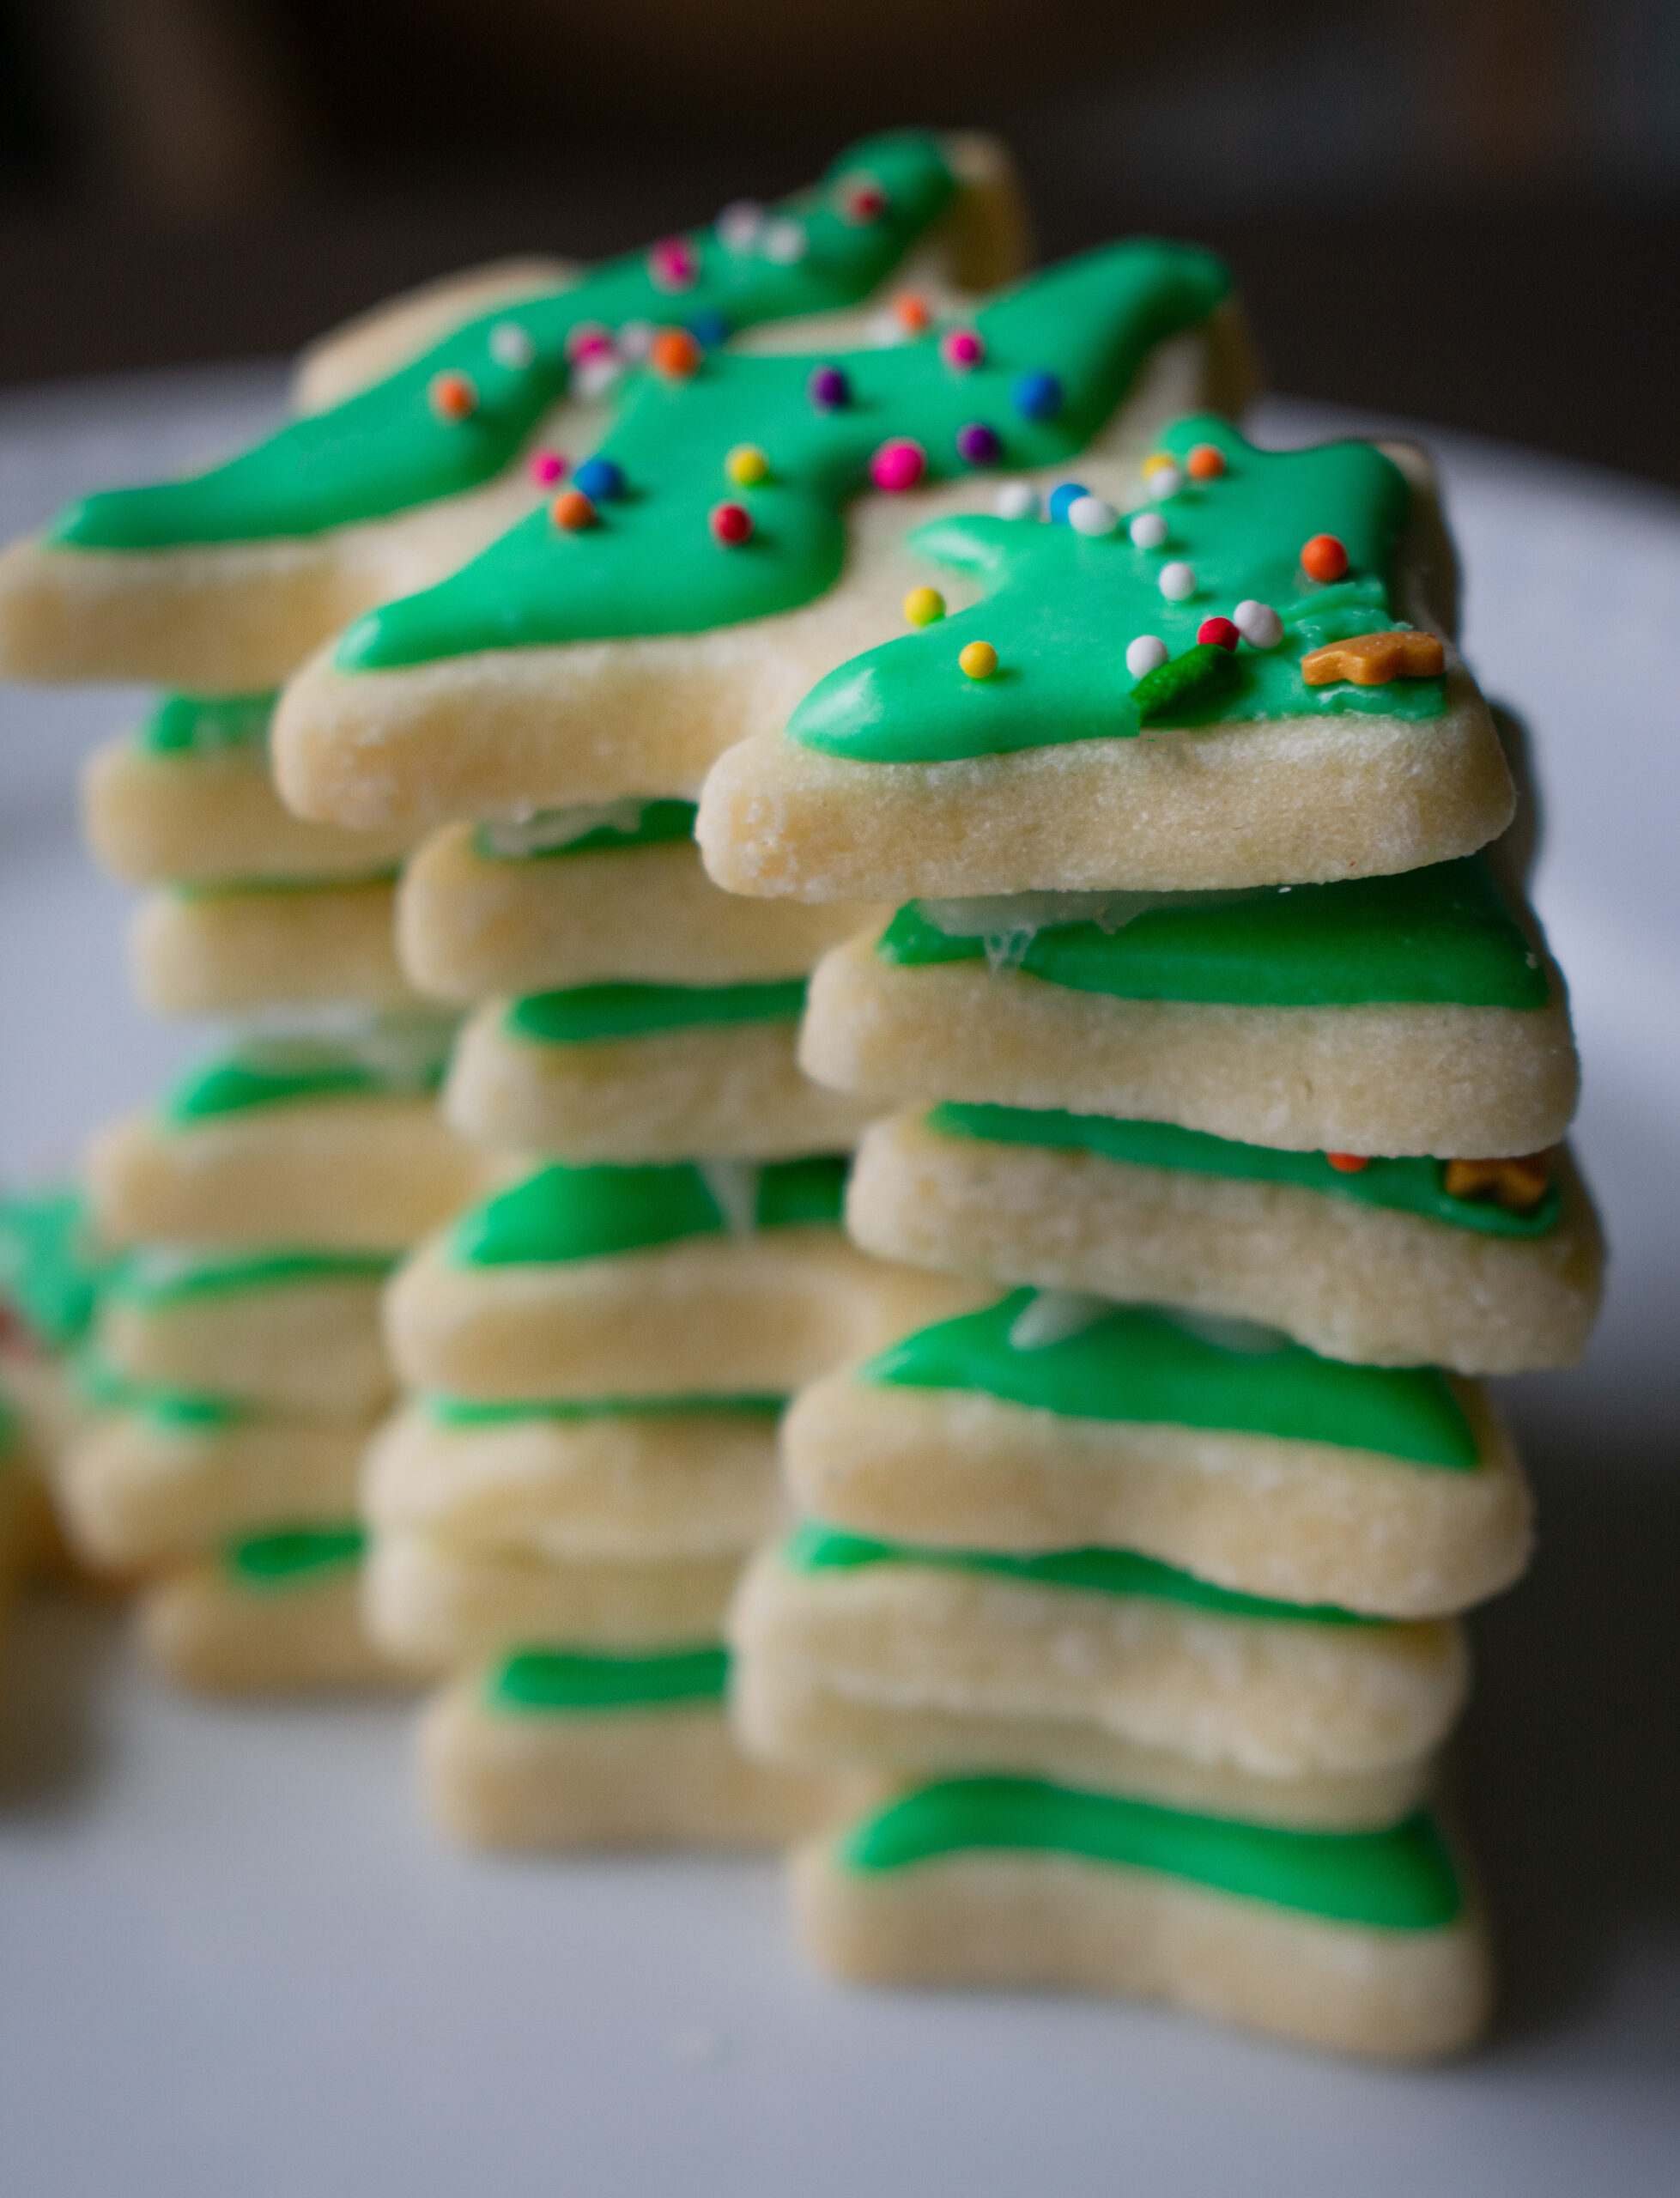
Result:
pixel 1466 210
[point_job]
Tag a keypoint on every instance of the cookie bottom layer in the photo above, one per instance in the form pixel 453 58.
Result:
pixel 309 1345
pixel 204 1631
pixel 222 952
pixel 1039 1921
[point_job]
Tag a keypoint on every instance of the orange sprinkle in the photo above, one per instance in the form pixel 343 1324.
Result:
pixel 1516 1184
pixel 913 312
pixel 675 353
pixel 1205 463
pixel 572 509
pixel 1348 1164
pixel 453 397
pixel 1373 659
pixel 1324 558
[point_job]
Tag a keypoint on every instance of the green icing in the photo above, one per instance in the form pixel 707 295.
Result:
pixel 571 1682
pixel 589 1013
pixel 1400 1879
pixel 286 1556
pixel 589 1213
pixel 652 564
pixel 1137 1364
pixel 1061 608
pixel 1439 934
pixel 51 1264
pixel 1412 1185
pixel 657 822
pixel 816 1548
pixel 467 1411
pixel 384 449
pixel 155 1276
pixel 103 1387
pixel 206 725
pixel 392 1061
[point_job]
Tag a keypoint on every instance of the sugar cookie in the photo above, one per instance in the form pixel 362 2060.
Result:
pixel 563 1748
pixel 434 1604
pixel 1045 1422
pixel 1103 1641
pixel 275 1613
pixel 710 1278
pixel 621 1071
pixel 188 799
pixel 615 647
pixel 1379 1265
pixel 588 896
pixel 289 1331
pixel 1059 768
pixel 1365 1943
pixel 227 951
pixel 615 1480
pixel 334 1142
pixel 1382 1016
pixel 222 583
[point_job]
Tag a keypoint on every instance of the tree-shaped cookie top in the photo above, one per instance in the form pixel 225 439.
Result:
pixel 1240 532
pixel 457 414
pixel 719 494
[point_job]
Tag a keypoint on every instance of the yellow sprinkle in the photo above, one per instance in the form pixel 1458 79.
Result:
pixel 978 660
pixel 746 465
pixel 1155 461
pixel 923 605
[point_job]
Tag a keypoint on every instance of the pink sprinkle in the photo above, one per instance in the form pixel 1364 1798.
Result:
pixel 588 340
pixel 547 466
pixel 898 464
pixel 961 347
pixel 673 265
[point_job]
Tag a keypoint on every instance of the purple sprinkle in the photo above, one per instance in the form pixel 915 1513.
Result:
pixel 828 388
pixel 979 445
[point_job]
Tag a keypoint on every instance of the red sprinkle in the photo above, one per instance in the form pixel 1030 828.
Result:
pixel 732 524
pixel 1220 631
pixel 1348 1164
pixel 1324 558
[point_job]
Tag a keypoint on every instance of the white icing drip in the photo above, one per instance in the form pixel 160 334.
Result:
pixel 1227 1332
pixel 401 1053
pixel 544 829
pixel 734 1186
pixel 1053 1315
pixel 1008 915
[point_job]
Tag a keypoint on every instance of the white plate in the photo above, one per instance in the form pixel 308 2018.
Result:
pixel 232 1960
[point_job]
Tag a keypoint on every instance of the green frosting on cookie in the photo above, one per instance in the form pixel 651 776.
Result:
pixel 102 1387
pixel 1413 1185
pixel 652 564
pixel 589 1213
pixel 587 1013
pixel 156 1275
pixel 291 1556
pixel 387 447
pixel 568 1682
pixel 554 832
pixel 1139 1365
pixel 206 725
pixel 816 1548
pixel 51 1265
pixel 468 1411
pixel 1062 607
pixel 1442 934
pixel 1400 1879
pixel 393 1061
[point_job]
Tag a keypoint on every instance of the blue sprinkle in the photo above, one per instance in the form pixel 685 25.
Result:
pixel 1063 497
pixel 709 327
pixel 1038 396
pixel 600 479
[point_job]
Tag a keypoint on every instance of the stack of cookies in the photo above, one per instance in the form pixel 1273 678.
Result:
pixel 1227 1053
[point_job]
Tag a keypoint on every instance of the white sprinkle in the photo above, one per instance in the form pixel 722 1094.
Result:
pixel 1163 481
pixel 1015 499
pixel 1092 515
pixel 784 242
pixel 1147 654
pixel 1177 582
pixel 635 338
pixel 511 345
pixel 594 376
pixel 1258 623
pixel 1148 531
pixel 885 330
pixel 739 223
